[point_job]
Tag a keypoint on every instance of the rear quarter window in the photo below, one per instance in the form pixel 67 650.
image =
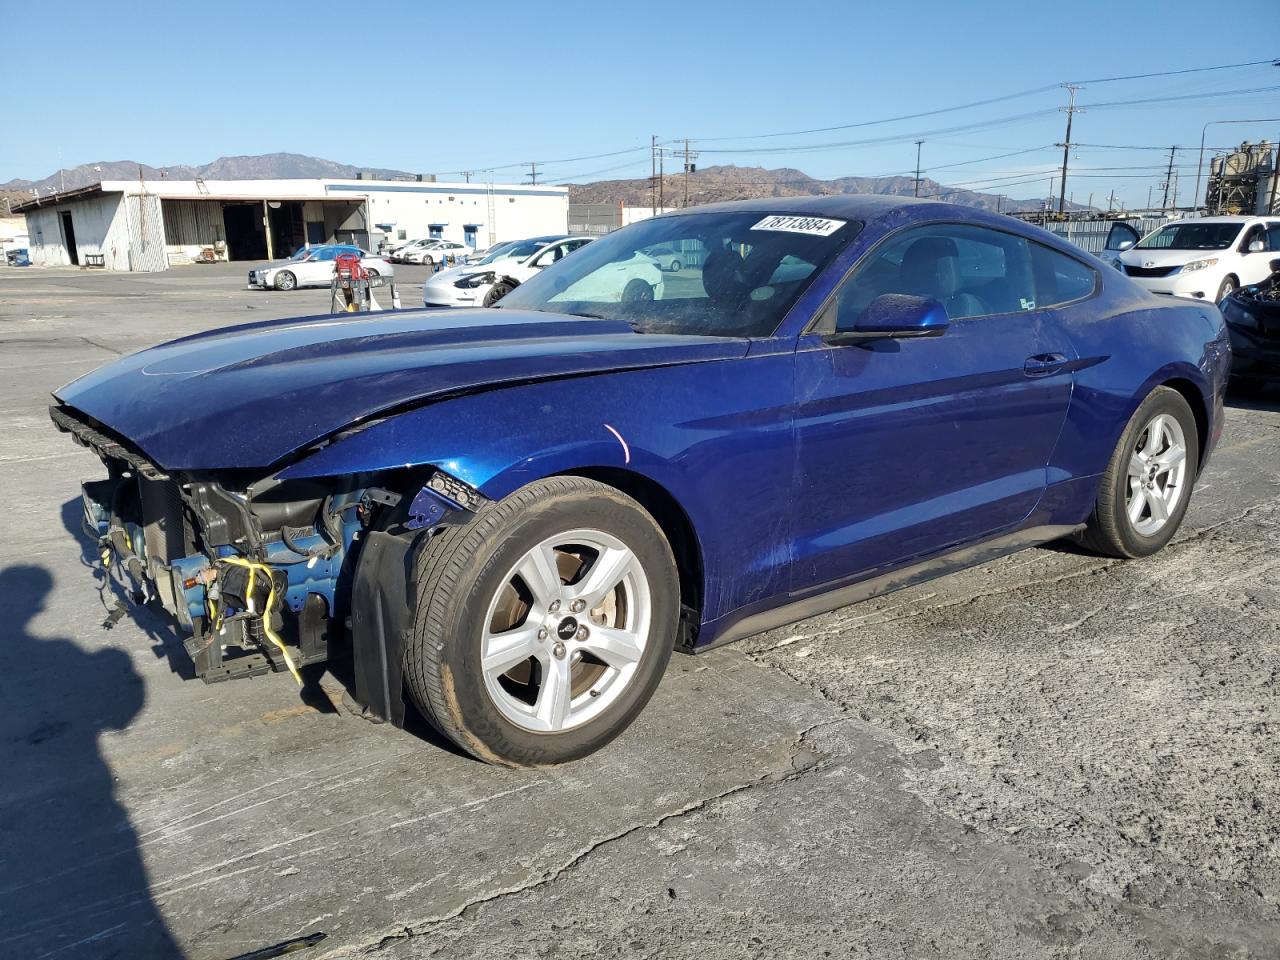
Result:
pixel 1060 278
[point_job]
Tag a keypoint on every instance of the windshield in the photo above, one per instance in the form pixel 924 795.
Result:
pixel 1191 236
pixel 503 251
pixel 739 273
pixel 302 253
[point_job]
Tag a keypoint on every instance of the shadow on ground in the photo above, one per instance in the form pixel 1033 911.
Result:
pixel 72 880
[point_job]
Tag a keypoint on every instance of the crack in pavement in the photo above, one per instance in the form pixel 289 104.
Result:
pixel 426 925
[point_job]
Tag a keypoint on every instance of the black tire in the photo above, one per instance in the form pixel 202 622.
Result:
pixel 1108 529
pixel 281 283
pixel 458 574
pixel 676 266
pixel 637 291
pixel 372 273
pixel 497 292
pixel 1229 286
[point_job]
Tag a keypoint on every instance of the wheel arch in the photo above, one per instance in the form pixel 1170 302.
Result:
pixel 670 516
pixel 1199 405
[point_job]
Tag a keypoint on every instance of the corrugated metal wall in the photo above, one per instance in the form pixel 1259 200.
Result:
pixel 1091 235
pixel 193 222
pixel 145 227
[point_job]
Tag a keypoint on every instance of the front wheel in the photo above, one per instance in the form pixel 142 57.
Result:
pixel 637 291
pixel 676 266
pixel 1148 483
pixel 286 281
pixel 546 624
pixel 497 292
pixel 1228 287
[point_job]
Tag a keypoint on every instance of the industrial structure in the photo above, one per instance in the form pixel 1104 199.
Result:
pixel 150 225
pixel 1243 181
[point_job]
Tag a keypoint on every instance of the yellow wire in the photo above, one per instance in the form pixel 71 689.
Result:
pixel 252 567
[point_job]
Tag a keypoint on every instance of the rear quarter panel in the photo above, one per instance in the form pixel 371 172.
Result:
pixel 1130 342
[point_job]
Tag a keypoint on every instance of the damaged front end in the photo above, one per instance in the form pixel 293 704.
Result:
pixel 261 573
pixel 1252 315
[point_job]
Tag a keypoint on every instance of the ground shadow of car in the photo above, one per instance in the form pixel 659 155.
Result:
pixel 72 880
pixel 167 641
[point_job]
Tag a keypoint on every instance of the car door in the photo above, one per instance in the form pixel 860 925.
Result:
pixel 317 269
pixel 906 447
pixel 1252 266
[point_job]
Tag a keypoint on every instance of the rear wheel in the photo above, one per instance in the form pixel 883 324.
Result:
pixel 545 624
pixel 373 273
pixel 285 280
pixel 1147 485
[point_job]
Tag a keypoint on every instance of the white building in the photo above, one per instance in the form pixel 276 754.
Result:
pixel 154 224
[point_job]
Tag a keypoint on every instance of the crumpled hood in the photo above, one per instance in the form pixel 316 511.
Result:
pixel 248 396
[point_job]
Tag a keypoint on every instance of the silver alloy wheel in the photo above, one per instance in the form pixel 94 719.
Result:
pixel 1156 474
pixel 566 630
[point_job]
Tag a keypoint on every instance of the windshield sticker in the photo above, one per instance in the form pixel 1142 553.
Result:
pixel 816 226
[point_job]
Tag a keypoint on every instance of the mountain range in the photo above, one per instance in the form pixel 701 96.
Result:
pixel 707 185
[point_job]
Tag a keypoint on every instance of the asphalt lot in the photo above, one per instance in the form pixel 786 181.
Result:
pixel 1053 755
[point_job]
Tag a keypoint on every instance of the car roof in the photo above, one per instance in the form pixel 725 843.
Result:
pixel 1222 219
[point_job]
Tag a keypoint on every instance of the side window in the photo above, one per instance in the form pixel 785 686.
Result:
pixel 573 245
pixel 551 255
pixel 971 271
pixel 325 253
pixel 1255 234
pixel 1060 278
pixel 1273 237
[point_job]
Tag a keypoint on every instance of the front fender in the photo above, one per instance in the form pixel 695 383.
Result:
pixel 715 436
pixel 490 441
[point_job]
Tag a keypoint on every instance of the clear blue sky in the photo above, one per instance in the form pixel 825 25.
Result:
pixel 448 86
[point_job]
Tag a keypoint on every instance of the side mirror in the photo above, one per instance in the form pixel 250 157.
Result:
pixel 894 315
pixel 1257 246
pixel 1125 245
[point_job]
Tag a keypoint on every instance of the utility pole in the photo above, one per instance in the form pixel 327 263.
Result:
pixel 466 175
pixel 1111 202
pixel 662 196
pixel 1168 179
pixel 533 172
pixel 689 168
pixel 653 175
pixel 918 143
pixel 1071 109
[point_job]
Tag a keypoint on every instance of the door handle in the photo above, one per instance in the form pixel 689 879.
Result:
pixel 1044 364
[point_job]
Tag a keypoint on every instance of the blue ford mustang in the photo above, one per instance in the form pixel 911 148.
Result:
pixel 510 517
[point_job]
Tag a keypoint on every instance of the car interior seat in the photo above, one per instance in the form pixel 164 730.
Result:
pixel 931 268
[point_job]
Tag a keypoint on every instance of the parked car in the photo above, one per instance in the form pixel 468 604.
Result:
pixel 1252 315
pixel 487 282
pixel 521 514
pixel 667 257
pixel 1206 259
pixel 397 251
pixel 313 267
pixel 438 251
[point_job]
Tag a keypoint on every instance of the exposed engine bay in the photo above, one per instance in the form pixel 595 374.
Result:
pixel 258 572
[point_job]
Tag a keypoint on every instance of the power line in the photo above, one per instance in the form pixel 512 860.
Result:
pixel 1173 73
pixel 872 123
